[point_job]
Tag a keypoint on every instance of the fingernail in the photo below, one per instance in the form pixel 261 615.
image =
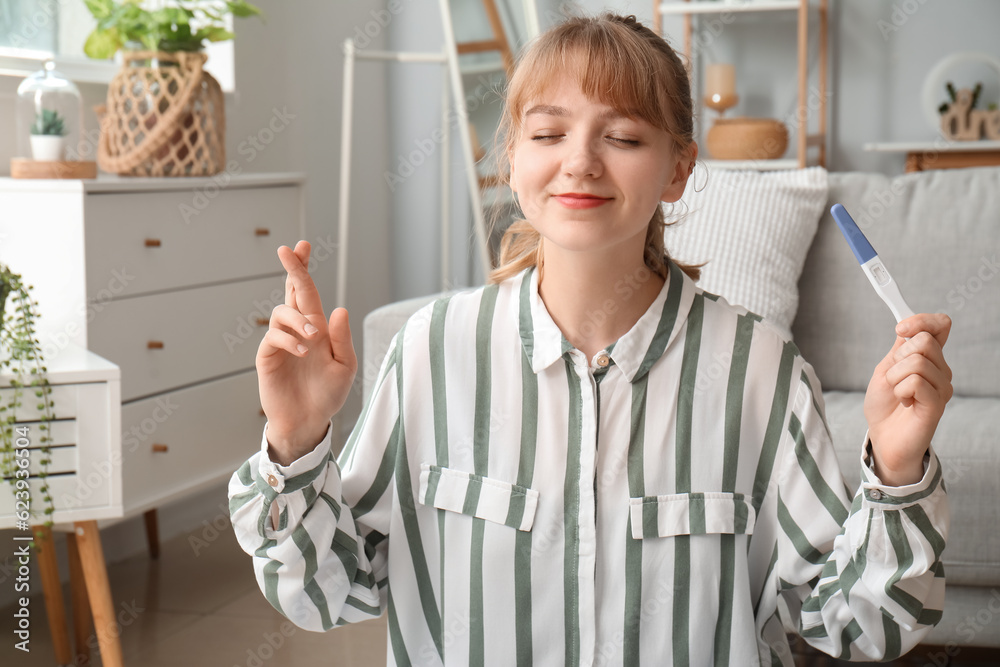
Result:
pixel 301 348
pixel 310 329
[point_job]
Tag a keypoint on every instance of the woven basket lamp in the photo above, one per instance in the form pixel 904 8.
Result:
pixel 739 138
pixel 163 117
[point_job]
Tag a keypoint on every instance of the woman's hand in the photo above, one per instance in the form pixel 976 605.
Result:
pixel 301 388
pixel 906 398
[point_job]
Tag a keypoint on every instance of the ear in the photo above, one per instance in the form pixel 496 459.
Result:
pixel 673 189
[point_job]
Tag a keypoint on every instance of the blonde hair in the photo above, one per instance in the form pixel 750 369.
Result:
pixel 623 64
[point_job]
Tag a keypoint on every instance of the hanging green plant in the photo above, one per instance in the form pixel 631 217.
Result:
pixel 21 353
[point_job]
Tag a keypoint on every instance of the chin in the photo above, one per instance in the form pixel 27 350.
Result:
pixel 578 242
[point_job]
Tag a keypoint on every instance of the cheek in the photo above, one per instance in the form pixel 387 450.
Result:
pixel 524 170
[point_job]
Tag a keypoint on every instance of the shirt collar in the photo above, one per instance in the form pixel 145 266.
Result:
pixel 634 353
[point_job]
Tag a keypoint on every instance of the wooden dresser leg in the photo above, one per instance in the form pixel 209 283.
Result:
pixel 83 622
pixel 152 533
pixel 48 568
pixel 95 573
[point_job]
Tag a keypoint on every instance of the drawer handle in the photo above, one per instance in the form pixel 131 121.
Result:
pixel 262 231
pixel 153 243
pixel 159 448
pixel 155 345
pixel 263 321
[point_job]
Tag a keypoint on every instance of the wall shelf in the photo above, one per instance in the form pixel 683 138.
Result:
pixel 942 154
pixel 756 165
pixel 675 8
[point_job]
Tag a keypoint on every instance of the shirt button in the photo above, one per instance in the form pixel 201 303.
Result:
pixel 875 494
pixel 272 480
pixel 602 359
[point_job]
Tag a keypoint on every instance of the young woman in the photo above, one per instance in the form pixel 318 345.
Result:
pixel 590 460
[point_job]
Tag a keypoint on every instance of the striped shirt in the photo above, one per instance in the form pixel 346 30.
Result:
pixel 649 506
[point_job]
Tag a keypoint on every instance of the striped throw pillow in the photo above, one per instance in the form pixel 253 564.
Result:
pixel 753 228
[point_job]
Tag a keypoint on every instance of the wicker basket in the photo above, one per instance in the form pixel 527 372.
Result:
pixel 164 117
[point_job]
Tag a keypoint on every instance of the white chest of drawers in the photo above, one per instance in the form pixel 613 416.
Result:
pixel 173 280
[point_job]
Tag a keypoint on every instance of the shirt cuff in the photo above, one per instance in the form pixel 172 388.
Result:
pixel 878 494
pixel 276 474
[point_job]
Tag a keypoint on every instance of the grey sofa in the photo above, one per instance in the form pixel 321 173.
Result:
pixel 939 234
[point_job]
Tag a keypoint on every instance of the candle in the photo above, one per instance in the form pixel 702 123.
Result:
pixel 720 86
pixel 720 79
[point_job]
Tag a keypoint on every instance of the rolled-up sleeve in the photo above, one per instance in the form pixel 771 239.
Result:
pixel 876 588
pixel 318 528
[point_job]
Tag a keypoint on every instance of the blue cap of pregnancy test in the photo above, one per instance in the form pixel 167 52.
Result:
pixel 863 250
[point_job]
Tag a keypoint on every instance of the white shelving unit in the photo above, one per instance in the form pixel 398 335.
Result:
pixel 803 140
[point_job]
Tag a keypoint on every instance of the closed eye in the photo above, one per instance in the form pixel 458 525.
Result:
pixel 542 137
pixel 624 142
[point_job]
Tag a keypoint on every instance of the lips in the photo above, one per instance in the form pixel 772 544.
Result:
pixel 579 200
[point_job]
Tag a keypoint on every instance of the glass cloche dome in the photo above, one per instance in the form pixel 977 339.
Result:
pixel 49 117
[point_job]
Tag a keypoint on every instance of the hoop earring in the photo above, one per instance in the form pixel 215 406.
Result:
pixel 696 188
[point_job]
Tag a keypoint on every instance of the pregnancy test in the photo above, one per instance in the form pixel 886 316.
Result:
pixel 873 267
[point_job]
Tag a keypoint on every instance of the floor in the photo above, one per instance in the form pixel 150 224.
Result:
pixel 198 605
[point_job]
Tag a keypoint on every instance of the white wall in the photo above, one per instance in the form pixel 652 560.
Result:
pixel 293 63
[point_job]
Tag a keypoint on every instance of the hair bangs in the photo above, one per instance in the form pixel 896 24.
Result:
pixel 610 65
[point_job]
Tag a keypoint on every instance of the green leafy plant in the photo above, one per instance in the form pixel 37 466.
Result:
pixel 49 122
pixel 183 27
pixel 21 353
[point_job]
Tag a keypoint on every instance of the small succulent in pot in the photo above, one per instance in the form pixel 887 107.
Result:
pixel 49 123
pixel 48 136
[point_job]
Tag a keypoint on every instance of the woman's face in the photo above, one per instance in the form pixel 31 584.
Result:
pixel 588 178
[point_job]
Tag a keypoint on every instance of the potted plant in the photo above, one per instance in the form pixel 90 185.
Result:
pixel 164 114
pixel 48 136
pixel 21 353
pixel 184 27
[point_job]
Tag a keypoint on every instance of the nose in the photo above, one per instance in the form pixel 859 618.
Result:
pixel 581 159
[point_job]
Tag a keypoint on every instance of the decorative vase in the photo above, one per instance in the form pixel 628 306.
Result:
pixel 747 139
pixel 48 147
pixel 164 117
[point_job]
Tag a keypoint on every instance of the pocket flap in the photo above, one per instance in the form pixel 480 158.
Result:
pixel 691 514
pixel 478 496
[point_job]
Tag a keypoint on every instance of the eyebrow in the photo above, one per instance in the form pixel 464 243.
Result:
pixel 551 110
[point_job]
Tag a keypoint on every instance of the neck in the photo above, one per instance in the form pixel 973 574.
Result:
pixel 595 300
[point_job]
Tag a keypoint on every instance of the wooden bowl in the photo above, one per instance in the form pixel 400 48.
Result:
pixel 747 139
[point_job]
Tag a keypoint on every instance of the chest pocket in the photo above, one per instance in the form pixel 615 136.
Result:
pixel 474 495
pixel 691 514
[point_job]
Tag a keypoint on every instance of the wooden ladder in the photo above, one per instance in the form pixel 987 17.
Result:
pixel 498 43
pixel 501 44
